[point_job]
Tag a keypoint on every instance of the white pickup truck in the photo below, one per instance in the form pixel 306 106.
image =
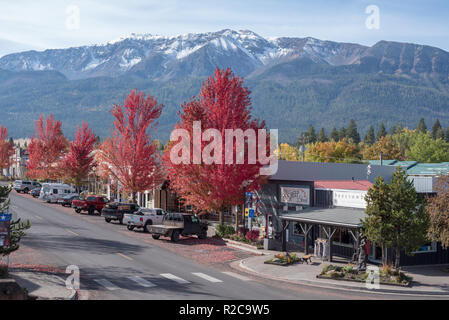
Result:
pixel 143 218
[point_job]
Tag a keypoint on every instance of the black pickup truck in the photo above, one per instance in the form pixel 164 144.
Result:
pixel 176 224
pixel 116 211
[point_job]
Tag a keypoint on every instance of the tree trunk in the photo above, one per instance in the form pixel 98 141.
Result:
pixel 221 217
pixel 384 254
pixel 397 257
pixel 237 220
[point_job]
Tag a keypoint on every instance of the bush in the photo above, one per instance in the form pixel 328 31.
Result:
pixel 252 235
pixel 224 230
pixel 242 231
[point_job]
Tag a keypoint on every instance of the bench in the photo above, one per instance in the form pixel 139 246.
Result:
pixel 307 258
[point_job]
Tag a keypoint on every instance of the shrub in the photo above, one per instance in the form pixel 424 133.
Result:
pixel 252 235
pixel 224 230
pixel 242 231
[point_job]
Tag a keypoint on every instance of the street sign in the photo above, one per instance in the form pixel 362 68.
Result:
pixel 5 222
pixel 251 213
pixel 246 212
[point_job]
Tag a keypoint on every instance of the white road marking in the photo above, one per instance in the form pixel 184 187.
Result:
pixel 174 278
pixel 236 275
pixel 107 284
pixel 40 218
pixel 206 277
pixel 142 281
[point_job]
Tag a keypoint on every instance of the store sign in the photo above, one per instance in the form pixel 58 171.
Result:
pixel 5 222
pixel 350 199
pixel 295 195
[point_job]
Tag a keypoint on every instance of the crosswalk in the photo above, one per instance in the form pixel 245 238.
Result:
pixel 145 283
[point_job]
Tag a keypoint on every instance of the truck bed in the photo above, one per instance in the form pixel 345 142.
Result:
pixel 161 229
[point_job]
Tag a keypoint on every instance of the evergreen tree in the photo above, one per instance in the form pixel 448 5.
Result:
pixel 382 132
pixel 397 128
pixel 436 128
pixel 396 217
pixel 370 137
pixel 311 134
pixel 342 133
pixel 352 133
pixel 17 227
pixel 409 220
pixel 440 134
pixel 446 136
pixel 322 137
pixel 421 126
pixel 334 134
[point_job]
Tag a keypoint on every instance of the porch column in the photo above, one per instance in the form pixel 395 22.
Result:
pixel 284 237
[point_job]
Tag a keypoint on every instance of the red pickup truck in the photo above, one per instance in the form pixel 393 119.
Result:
pixel 90 204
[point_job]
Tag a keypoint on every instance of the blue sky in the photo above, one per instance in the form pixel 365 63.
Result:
pixel 42 24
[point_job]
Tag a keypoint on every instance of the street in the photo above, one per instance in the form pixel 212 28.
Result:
pixel 118 264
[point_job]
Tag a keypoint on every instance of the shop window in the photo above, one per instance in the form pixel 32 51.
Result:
pixel 428 247
pixel 343 237
pixel 297 231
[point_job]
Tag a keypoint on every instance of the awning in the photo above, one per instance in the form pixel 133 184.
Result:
pixel 337 216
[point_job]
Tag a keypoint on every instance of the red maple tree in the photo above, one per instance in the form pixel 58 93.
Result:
pixel 222 104
pixel 129 156
pixel 6 149
pixel 46 150
pixel 79 160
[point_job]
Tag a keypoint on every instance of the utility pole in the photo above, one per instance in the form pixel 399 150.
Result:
pixel 381 161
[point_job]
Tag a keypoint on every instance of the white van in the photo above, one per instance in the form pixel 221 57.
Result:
pixel 51 192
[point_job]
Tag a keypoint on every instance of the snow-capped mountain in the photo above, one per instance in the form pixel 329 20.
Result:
pixel 189 54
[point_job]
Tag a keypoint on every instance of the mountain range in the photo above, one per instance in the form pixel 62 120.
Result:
pixel 294 81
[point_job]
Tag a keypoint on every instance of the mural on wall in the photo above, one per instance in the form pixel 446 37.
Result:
pixel 295 195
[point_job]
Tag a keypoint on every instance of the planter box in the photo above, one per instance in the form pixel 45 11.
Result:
pixel 363 281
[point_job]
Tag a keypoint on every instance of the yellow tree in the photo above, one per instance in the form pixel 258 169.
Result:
pixel 287 152
pixel 333 151
pixel 389 149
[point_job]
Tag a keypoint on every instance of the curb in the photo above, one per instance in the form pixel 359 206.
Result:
pixel 328 285
pixel 235 244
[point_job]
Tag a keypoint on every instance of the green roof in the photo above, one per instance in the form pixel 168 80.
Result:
pixel 384 162
pixel 429 169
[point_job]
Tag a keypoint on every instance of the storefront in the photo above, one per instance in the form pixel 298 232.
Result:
pixel 325 231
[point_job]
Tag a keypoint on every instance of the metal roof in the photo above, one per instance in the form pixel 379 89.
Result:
pixel 384 162
pixel 404 164
pixel 337 216
pixel 313 171
pixel 429 169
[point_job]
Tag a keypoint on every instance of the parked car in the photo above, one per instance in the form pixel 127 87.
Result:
pixel 176 224
pixel 116 211
pixel 66 201
pixel 25 186
pixel 90 204
pixel 143 218
pixel 36 192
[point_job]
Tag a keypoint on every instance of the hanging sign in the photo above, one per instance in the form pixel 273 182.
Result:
pixel 295 195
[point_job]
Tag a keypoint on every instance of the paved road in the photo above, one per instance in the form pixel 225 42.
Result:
pixel 119 265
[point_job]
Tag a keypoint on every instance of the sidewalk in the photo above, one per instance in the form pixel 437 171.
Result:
pixel 43 285
pixel 428 280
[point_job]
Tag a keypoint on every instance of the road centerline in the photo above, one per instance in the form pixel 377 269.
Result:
pixel 125 256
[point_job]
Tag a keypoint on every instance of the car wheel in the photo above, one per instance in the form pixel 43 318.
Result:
pixel 148 223
pixel 130 227
pixel 107 220
pixel 25 190
pixel 202 236
pixel 175 236
pixel 78 210
pixel 155 236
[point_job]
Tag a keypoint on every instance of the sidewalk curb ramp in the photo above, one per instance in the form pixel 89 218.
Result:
pixel 240 265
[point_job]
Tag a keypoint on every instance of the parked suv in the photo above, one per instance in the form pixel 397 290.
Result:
pixel 116 211
pixel 25 186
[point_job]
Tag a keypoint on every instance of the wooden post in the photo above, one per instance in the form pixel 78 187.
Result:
pixel 284 236
pixel 306 240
